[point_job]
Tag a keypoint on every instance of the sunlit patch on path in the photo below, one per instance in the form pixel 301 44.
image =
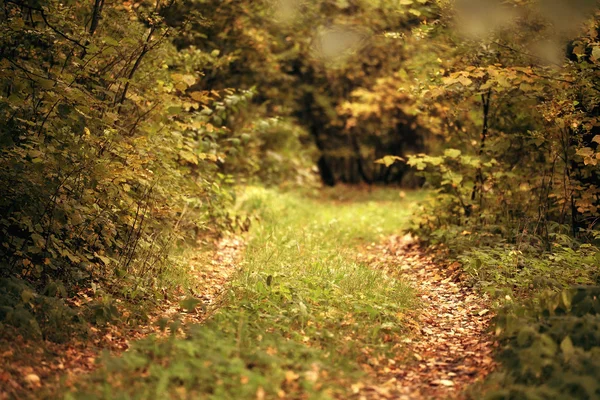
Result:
pixel 450 347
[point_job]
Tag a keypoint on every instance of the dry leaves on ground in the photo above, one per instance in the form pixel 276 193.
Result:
pixel 450 347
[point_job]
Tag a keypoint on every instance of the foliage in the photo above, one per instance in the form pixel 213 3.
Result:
pixel 127 126
pixel 311 61
pixel 277 152
pixel 112 159
pixel 551 350
pixel 525 128
pixel 512 105
pixel 40 316
pixel 522 270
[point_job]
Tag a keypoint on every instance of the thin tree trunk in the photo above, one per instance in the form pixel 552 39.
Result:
pixel 359 160
pixel 479 179
pixel 96 13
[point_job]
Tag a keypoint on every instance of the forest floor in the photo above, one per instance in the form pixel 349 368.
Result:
pixel 450 346
pixel 327 301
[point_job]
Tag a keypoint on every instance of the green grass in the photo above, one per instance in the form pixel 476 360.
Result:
pixel 299 319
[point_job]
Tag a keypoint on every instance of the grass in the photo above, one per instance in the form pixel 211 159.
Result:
pixel 299 320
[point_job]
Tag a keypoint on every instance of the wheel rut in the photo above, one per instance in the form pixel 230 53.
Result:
pixel 449 346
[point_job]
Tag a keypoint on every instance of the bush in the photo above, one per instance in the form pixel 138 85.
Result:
pixel 552 352
pixel 39 315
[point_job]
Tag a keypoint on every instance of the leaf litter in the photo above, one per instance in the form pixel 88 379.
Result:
pixel 449 346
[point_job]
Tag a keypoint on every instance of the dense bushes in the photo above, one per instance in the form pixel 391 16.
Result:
pixel 513 171
pixel 112 157
pixel 324 64
pixel 551 350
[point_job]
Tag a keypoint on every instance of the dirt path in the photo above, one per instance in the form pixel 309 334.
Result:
pixel 212 271
pixel 450 347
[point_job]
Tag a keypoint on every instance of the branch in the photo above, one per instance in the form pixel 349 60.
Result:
pixel 43 14
pixel 59 32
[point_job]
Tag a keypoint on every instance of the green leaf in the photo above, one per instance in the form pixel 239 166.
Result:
pixel 457 179
pixel 162 324
pixel 567 348
pixel 303 309
pixel 27 295
pixel 46 83
pixel 38 240
pixel 111 41
pixel 175 110
pixel 567 298
pixel 190 303
pixel 452 153
pixel 105 260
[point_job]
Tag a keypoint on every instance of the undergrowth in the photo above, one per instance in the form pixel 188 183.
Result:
pixel 550 348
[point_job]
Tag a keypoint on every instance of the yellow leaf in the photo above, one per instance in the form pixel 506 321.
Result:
pixel 201 97
pixel 189 79
pixel 32 380
pixel 291 376
pixel 389 160
pixel 585 152
pixel 181 86
pixel 465 81
pixel 356 387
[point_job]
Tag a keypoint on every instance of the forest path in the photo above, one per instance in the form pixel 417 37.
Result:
pixel 450 347
pixel 327 304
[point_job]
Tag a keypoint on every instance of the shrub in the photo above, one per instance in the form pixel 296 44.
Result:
pixel 552 352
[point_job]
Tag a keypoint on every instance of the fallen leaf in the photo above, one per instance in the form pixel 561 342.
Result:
pixel 260 393
pixel 32 379
pixel 291 376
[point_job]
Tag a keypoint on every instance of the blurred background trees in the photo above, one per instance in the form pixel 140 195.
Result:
pixel 323 65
